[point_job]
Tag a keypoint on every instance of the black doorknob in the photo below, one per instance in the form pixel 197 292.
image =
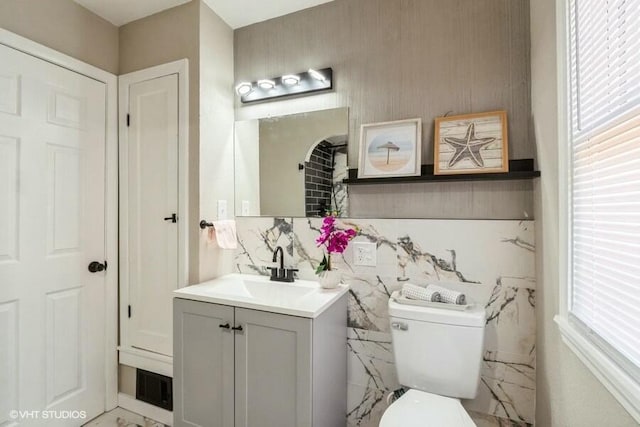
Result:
pixel 96 266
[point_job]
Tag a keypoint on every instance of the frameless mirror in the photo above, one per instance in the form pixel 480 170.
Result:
pixel 292 166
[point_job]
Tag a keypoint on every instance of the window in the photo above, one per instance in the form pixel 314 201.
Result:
pixel 601 321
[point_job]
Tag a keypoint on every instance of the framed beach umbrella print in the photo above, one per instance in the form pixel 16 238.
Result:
pixel 472 143
pixel 390 149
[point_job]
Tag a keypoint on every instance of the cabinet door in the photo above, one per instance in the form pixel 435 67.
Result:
pixel 203 364
pixel 273 370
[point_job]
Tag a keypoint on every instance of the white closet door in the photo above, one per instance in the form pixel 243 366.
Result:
pixel 52 225
pixel 153 200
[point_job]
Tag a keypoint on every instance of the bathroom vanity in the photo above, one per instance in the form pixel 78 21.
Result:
pixel 249 352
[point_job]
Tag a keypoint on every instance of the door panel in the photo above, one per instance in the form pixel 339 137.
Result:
pixel 63 194
pixel 268 391
pixel 9 156
pixel 153 196
pixel 9 92
pixel 65 109
pixel 52 203
pixel 8 359
pixel 64 367
pixel 203 369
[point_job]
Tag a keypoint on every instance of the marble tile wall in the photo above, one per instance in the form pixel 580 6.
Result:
pixel 491 260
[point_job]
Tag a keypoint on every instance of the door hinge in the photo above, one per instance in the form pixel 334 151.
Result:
pixel 129 312
pixel 128 120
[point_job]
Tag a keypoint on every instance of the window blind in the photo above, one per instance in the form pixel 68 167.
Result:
pixel 605 61
pixel 604 64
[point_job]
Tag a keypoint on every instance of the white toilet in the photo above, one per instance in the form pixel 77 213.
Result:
pixel 438 353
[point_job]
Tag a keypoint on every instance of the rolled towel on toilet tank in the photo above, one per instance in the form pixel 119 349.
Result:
pixel 419 293
pixel 447 295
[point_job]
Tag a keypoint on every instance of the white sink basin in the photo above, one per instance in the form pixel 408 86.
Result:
pixel 301 298
pixel 259 290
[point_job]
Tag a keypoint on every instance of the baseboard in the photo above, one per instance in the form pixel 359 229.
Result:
pixel 130 403
pixel 149 361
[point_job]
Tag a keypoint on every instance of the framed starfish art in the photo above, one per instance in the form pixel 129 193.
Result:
pixel 472 143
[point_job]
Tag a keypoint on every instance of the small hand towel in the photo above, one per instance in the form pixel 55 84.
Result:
pixel 419 293
pixel 448 296
pixel 225 233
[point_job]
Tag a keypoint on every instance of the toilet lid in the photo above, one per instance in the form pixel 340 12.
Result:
pixel 421 409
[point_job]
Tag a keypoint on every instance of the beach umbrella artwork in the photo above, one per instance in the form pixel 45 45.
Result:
pixel 389 146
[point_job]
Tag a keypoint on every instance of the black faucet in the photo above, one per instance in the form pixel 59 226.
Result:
pixel 275 256
pixel 281 274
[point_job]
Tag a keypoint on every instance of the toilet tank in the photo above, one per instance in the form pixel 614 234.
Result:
pixel 438 350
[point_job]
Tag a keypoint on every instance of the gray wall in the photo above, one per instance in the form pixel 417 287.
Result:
pixel 65 26
pixel 448 200
pixel 398 59
pixel 216 135
pixel 567 394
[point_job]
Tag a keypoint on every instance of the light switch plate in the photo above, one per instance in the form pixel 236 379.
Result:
pixel 246 205
pixel 222 209
pixel 364 253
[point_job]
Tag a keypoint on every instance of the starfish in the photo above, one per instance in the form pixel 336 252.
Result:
pixel 469 146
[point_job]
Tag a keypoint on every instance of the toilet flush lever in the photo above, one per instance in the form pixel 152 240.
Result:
pixel 400 326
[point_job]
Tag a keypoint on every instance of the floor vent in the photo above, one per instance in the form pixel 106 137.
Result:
pixel 154 389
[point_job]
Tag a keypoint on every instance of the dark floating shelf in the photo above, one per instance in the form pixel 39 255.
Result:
pixel 518 170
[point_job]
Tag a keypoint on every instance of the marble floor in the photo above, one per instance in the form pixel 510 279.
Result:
pixel 485 420
pixel 122 418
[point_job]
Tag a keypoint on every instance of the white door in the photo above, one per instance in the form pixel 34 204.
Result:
pixel 52 225
pixel 152 212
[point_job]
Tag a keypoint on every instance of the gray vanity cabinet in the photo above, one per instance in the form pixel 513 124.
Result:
pixel 203 361
pixel 273 370
pixel 277 371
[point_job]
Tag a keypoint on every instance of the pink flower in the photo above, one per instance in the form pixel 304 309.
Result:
pixel 332 238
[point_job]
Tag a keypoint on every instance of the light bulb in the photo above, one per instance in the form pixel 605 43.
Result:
pixel 290 80
pixel 266 84
pixel 244 88
pixel 317 75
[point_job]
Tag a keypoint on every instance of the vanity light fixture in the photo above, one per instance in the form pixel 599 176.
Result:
pixel 287 85
pixel 290 79
pixel 317 75
pixel 244 88
pixel 266 84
